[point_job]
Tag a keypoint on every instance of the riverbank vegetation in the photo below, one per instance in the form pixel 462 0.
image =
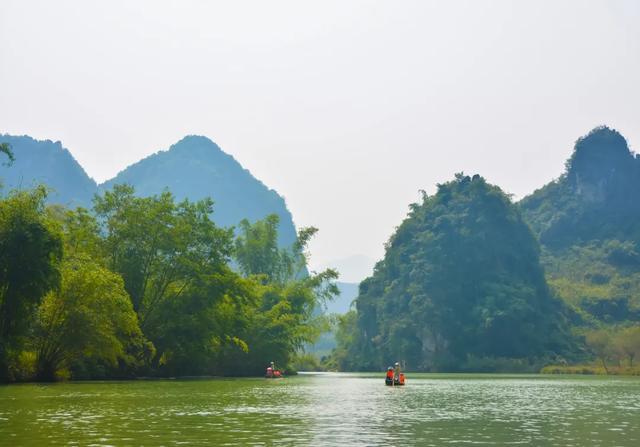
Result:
pixel 616 351
pixel 470 281
pixel 149 286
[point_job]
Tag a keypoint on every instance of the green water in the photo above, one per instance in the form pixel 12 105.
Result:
pixel 327 409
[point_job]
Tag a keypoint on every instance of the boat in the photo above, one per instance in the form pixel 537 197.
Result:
pixel 273 373
pixel 277 374
pixel 394 376
pixel 396 381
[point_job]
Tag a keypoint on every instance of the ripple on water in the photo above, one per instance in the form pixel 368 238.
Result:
pixel 327 410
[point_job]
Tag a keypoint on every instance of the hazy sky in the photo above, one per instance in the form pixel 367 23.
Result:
pixel 346 108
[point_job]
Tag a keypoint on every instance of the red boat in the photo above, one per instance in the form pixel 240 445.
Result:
pixel 396 381
pixel 394 376
pixel 273 373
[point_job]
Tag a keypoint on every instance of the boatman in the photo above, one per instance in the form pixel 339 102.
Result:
pixel 399 377
pixel 390 376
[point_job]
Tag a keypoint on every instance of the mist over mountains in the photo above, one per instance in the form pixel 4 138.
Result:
pixel 587 221
pixel 47 162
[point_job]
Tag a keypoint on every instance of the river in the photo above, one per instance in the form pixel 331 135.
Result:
pixel 327 409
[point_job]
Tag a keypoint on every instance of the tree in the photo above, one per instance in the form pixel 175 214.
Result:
pixel 82 233
pixel 89 318
pixel 144 273
pixel 346 339
pixel 158 246
pixel 599 341
pixel 30 251
pixel 286 315
pixel 173 260
pixel 627 343
pixel 257 251
pixel 5 148
pixel 193 332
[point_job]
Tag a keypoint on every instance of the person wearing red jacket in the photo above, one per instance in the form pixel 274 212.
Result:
pixel 390 376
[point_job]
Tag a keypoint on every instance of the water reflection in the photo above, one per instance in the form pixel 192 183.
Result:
pixel 327 409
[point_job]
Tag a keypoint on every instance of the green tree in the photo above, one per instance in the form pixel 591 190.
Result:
pixel 627 343
pixel 5 148
pixel 342 358
pixel 158 246
pixel 89 318
pixel 194 332
pixel 30 251
pixel 257 251
pixel 173 260
pixel 149 272
pixel 599 341
pixel 286 316
pixel 82 233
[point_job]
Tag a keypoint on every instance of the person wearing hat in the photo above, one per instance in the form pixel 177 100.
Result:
pixel 398 378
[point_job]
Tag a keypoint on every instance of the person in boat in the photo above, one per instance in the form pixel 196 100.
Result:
pixel 398 378
pixel 271 369
pixel 390 376
pixel 276 372
pixel 272 372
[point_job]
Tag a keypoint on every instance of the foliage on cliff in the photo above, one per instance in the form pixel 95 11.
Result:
pixel 588 223
pixel 460 282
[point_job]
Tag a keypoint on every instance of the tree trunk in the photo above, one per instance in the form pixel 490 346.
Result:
pixel 604 365
pixel 4 364
pixel 46 371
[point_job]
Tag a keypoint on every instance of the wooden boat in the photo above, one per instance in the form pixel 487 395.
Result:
pixel 273 374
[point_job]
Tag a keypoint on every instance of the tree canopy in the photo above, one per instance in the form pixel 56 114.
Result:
pixel 89 318
pixel 30 253
pixel 148 285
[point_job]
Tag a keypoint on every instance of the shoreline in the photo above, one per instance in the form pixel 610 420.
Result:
pixel 591 370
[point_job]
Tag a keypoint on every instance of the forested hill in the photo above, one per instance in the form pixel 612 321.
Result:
pixel 47 162
pixel 588 223
pixel 596 198
pixel 460 288
pixel 195 168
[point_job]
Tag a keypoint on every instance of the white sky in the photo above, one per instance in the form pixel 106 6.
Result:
pixel 346 108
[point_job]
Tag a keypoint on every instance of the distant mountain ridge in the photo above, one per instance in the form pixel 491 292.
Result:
pixel 49 163
pixel 343 303
pixel 193 168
